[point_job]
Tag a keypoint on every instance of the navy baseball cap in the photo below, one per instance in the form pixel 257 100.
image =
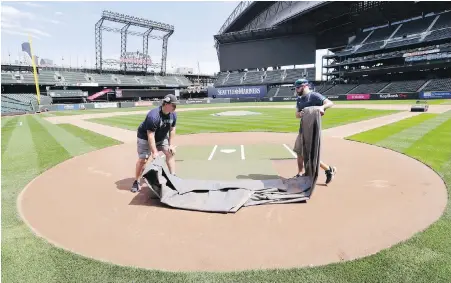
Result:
pixel 301 82
pixel 170 98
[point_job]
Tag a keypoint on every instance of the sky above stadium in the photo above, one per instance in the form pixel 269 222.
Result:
pixel 64 31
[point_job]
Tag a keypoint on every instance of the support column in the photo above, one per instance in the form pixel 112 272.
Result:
pixel 98 37
pixel 146 48
pixel 165 52
pixel 124 46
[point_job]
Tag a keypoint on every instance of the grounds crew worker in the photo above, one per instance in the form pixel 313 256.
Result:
pixel 307 98
pixel 156 133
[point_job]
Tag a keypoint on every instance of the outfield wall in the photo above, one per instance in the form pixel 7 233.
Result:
pixel 209 100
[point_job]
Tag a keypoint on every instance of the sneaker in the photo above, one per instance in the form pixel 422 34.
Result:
pixel 330 174
pixel 136 187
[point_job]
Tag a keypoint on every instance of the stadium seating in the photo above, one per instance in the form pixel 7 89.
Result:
pixel 444 21
pixel 233 79
pixel 72 77
pixel 403 86
pixel 340 89
pixel 438 85
pixel 438 34
pixel 47 77
pixel 323 88
pixel 273 77
pixel 253 78
pixel 368 88
pixel 286 92
pixel 414 27
pixel 22 102
pixel 402 34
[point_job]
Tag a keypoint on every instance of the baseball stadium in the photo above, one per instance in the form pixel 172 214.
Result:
pixel 284 166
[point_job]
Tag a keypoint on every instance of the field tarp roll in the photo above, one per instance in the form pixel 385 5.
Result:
pixel 230 196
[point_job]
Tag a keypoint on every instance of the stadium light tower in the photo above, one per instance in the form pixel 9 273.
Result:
pixel 128 21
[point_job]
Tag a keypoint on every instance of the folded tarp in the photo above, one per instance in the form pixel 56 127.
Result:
pixel 230 196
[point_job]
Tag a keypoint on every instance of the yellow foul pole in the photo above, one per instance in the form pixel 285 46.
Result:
pixel 36 81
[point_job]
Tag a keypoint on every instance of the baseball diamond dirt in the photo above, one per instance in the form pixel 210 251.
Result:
pixel 379 198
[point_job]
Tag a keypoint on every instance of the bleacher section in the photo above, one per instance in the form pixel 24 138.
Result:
pixel 253 78
pixel 438 85
pixel 404 86
pixel 340 89
pixel 273 77
pixel 430 28
pixel 22 103
pixel 368 88
pixel 46 77
pixel 263 77
pixel 286 92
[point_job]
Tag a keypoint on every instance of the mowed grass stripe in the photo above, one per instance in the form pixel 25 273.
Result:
pixel 384 132
pixel 90 138
pixel 6 120
pixel 8 127
pixel 71 143
pixel 26 258
pixel 47 147
pixel 405 138
pixel 427 256
pixel 19 164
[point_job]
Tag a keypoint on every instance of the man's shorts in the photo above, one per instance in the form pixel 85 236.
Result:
pixel 298 148
pixel 144 149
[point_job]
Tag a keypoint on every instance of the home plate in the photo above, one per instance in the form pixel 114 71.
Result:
pixel 227 150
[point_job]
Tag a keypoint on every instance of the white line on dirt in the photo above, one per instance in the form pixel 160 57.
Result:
pixel 290 151
pixel 242 152
pixel 213 152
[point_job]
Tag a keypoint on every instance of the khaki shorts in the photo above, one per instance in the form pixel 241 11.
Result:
pixel 144 149
pixel 298 148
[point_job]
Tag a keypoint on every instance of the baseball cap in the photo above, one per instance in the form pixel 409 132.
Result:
pixel 170 98
pixel 301 82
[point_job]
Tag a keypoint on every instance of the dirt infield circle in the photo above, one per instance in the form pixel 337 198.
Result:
pixel 378 199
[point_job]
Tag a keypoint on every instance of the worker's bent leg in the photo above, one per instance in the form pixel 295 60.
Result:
pixel 143 153
pixel 170 160
pixel 300 154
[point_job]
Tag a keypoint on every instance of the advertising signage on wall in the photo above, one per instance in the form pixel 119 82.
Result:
pixel 237 91
pixel 435 94
pixel 358 96
pixel 400 95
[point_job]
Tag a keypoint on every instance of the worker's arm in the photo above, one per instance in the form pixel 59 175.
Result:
pixel 298 113
pixel 172 136
pixel 152 143
pixel 327 104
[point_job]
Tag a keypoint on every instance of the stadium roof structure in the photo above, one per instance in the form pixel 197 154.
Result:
pixel 128 21
pixel 333 22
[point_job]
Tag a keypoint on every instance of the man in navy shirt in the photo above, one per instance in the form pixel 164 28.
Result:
pixel 156 133
pixel 307 98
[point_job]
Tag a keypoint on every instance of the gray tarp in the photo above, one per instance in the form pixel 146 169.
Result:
pixel 230 196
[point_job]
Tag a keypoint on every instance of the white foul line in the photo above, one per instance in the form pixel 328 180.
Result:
pixel 290 151
pixel 242 152
pixel 213 152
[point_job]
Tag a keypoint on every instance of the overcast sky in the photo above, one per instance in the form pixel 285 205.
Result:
pixel 64 31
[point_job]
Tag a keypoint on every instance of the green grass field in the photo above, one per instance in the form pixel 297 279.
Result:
pixel 37 145
pixel 278 120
